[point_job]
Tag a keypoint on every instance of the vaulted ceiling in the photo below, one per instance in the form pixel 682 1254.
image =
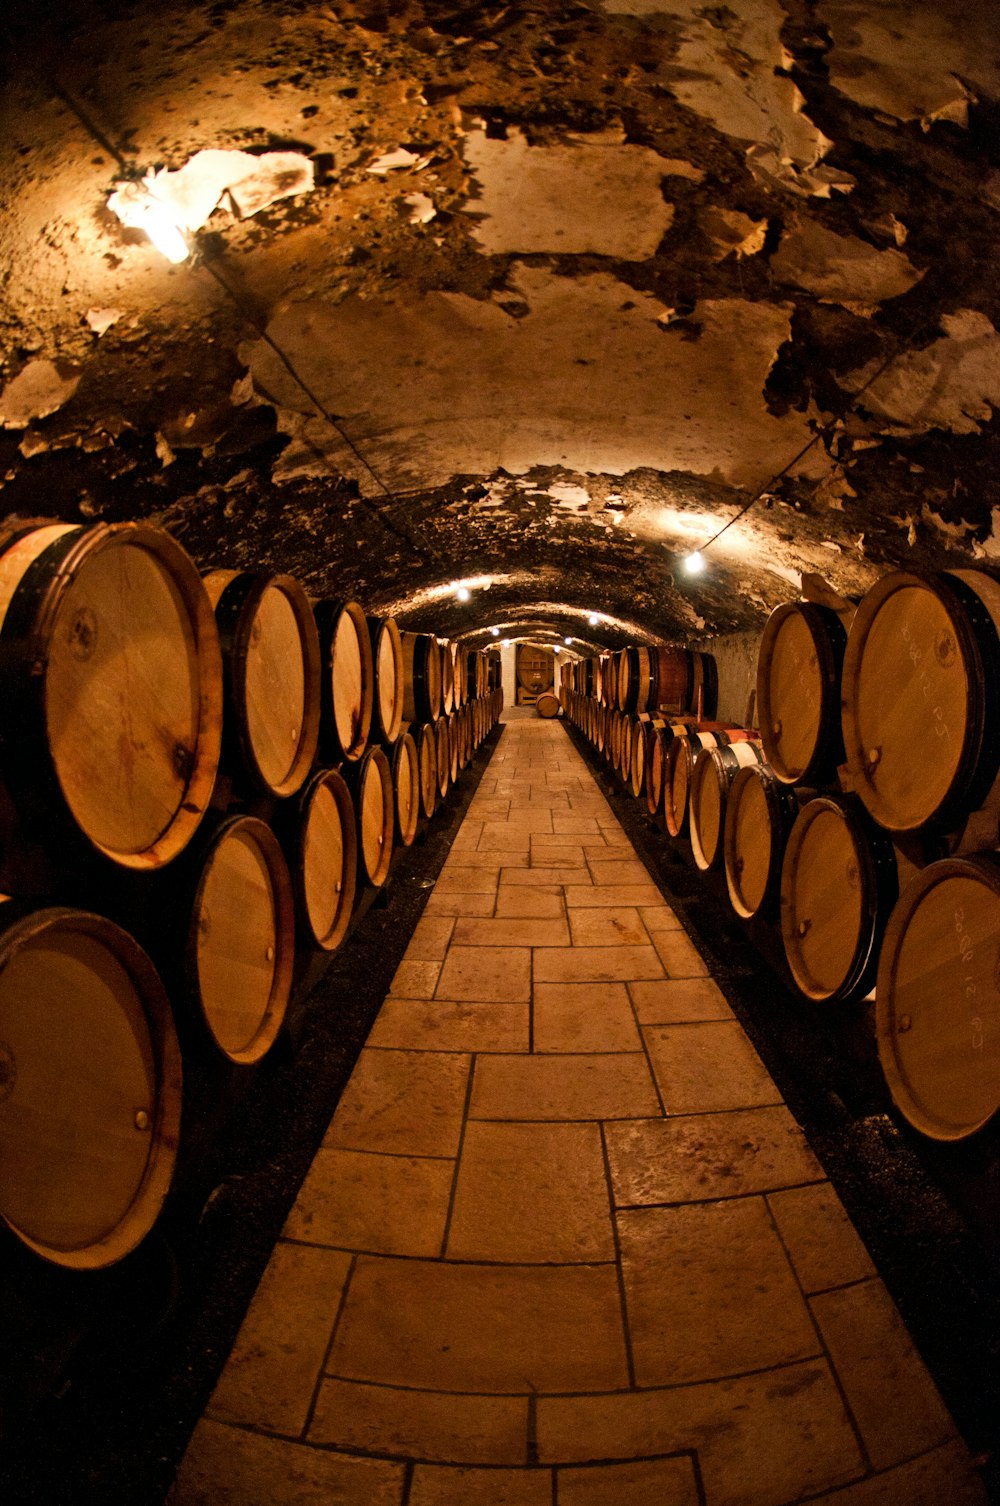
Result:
pixel 534 297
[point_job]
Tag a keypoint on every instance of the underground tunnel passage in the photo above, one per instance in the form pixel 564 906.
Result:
pixel 464 470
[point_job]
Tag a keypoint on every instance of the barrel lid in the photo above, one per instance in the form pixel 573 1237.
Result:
pixel 822 898
pixel 90 1088
pixel 750 836
pixel 706 809
pixel 133 692
pixel 791 685
pixel 908 699
pixel 328 858
pixel 375 815
pixel 241 925
pixel 938 998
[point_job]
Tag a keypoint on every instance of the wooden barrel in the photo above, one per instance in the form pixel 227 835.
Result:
pixel 405 765
pixel 677 782
pixel 387 658
pixel 110 671
pixel 921 698
pixel 624 764
pixel 442 756
pixel 838 884
pixel 656 766
pixel 447 677
pixel 628 679
pixel 535 668
pixel 669 679
pixel 798 692
pixel 271 674
pixel 938 998
pixel 241 939
pixel 427 767
pixel 760 813
pixel 347 679
pixel 713 772
pixel 460 689
pixel 637 762
pixel 704 686
pixel 454 747
pixel 326 861
pixel 374 804
pixel 90 1087
pixel 547 705
pixel 421 677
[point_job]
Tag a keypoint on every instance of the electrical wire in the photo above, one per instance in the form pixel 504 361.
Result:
pixel 420 548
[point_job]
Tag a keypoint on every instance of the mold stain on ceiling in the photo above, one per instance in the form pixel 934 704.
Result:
pixel 540 296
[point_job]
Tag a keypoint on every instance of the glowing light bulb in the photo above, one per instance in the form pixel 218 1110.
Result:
pixel 555 648
pixel 567 640
pixel 495 632
pixel 505 643
pixel 137 206
pixel 694 563
pixel 593 619
pixel 463 593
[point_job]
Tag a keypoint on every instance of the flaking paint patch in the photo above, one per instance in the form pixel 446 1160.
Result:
pixel 583 197
pixel 841 268
pixel 727 69
pixel 953 384
pixel 913 59
pixel 588 379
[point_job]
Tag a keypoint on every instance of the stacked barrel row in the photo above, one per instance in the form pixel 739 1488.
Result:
pixel 862 819
pixel 646 679
pixel 199 781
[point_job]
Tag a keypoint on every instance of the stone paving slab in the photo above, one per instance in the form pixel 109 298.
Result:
pixel 563 1244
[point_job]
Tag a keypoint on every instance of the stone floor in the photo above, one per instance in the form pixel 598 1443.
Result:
pixel 563 1244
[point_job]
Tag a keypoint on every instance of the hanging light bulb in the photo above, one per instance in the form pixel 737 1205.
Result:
pixel 567 640
pixel 495 632
pixel 505 643
pixel 593 619
pixel 694 563
pixel 137 207
pixel 555 648
pixel 463 593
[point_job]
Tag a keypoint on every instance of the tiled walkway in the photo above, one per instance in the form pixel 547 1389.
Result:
pixel 563 1244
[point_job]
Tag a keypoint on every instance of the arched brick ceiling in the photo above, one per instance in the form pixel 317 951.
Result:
pixel 572 286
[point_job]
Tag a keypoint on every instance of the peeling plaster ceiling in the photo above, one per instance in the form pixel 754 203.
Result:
pixel 531 297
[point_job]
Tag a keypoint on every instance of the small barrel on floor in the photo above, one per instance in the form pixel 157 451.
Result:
pixel 547 705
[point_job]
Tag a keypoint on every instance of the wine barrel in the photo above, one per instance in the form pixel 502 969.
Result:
pixel 938 998
pixel 326 860
pixel 241 939
pixel 90 1087
pixel 387 658
pixel 447 678
pixel 921 698
pixel 547 705
pixel 624 764
pixel 798 692
pixel 271 674
pixel 628 679
pixel 421 678
pixel 111 674
pixel 656 764
pixel 427 767
pixel 347 679
pixel 704 686
pixel 454 747
pixel 670 679
pixel 713 772
pixel 374 804
pixel 405 766
pixel 457 656
pixel 760 813
pixel 637 762
pixel 442 756
pixel 677 781
pixel 838 884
